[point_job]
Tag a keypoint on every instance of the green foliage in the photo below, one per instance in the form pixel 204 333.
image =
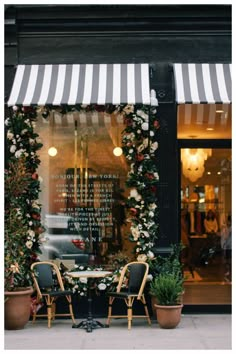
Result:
pixel 167 288
pixel 170 264
pixel 22 223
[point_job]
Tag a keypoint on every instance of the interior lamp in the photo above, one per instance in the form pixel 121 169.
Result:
pixel 52 151
pixel 117 151
pixel 193 161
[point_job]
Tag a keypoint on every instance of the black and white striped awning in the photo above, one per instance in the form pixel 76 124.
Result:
pixel 203 83
pixel 80 84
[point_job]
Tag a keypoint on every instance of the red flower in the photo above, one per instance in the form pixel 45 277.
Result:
pixel 156 124
pixel 128 121
pixel 133 211
pixel 140 157
pixel 35 175
pixel 149 175
pixel 153 189
pixel 36 216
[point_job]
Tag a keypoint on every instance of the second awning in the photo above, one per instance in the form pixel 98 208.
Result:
pixel 202 83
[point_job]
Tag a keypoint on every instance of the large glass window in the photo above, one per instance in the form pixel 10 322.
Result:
pixel 206 224
pixel 83 188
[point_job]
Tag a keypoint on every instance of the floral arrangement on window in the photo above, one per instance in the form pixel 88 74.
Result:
pixel 22 223
pixel 139 145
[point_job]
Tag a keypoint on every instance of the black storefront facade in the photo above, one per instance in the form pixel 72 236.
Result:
pixel 163 37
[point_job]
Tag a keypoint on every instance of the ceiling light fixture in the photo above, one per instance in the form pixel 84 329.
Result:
pixel 193 161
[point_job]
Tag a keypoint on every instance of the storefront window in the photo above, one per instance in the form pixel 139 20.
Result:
pixel 83 187
pixel 206 224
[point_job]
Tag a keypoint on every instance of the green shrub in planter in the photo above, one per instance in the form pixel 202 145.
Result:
pixel 167 288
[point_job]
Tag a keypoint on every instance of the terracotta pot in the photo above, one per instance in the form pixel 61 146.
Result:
pixel 154 301
pixel 168 316
pixel 17 308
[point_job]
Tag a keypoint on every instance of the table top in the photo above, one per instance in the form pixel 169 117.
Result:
pixel 89 274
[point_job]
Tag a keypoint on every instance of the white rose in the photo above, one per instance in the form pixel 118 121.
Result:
pixel 18 153
pixel 83 280
pixel 145 126
pixel 142 258
pixel 156 175
pixel 102 286
pixel 38 140
pixel 10 135
pixel 150 255
pixel 29 244
pixel 142 114
pixel 31 233
pixel 149 277
pixel 135 232
pixel 133 193
pixel 7 121
pixel 13 149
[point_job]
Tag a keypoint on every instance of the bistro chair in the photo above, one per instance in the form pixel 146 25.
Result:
pixel 130 287
pixel 49 287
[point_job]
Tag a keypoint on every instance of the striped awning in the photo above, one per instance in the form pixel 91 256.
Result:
pixel 203 83
pixel 80 84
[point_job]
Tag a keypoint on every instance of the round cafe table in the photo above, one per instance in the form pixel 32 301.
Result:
pixel 89 324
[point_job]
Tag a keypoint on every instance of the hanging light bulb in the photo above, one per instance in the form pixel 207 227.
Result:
pixel 52 151
pixel 117 151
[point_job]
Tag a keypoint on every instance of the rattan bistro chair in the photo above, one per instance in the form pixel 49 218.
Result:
pixel 136 275
pixel 49 287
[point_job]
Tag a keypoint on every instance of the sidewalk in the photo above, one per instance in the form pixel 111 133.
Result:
pixel 193 332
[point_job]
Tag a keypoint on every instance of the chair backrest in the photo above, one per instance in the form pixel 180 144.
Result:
pixel 137 273
pixel 44 274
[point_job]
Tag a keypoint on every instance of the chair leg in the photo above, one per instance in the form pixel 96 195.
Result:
pixel 49 312
pixel 111 299
pixel 146 309
pixel 53 310
pixel 71 308
pixel 129 312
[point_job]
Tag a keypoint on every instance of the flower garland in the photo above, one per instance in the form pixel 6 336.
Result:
pixel 22 208
pixel 139 147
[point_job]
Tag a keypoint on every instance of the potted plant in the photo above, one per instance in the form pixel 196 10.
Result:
pixel 170 264
pixel 167 288
pixel 22 224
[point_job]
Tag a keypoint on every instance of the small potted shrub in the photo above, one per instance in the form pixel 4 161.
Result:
pixel 167 288
pixel 170 264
